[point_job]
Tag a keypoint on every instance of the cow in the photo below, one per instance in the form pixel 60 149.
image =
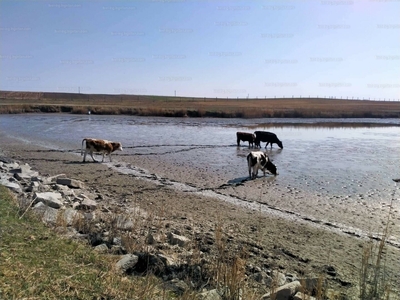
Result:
pixel 100 146
pixel 268 137
pixel 259 160
pixel 245 137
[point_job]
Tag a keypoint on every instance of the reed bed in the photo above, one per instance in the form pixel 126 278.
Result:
pixel 30 102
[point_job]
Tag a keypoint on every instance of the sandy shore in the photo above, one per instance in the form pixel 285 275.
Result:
pixel 290 244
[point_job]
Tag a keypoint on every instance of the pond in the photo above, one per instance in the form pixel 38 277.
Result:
pixel 331 171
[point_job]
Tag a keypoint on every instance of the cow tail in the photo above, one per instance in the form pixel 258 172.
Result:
pixel 82 146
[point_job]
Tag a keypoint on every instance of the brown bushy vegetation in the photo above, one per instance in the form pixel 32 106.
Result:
pixel 30 102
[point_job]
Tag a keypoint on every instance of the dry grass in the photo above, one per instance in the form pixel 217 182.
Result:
pixel 375 283
pixel 24 102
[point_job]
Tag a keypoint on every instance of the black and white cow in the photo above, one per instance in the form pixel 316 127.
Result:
pixel 258 160
pixel 99 146
pixel 268 137
pixel 245 137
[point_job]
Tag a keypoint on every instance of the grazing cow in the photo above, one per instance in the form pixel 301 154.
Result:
pixel 100 146
pixel 245 137
pixel 268 137
pixel 259 160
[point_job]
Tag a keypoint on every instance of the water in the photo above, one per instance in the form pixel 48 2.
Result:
pixel 330 173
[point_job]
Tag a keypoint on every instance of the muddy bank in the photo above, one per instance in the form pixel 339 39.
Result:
pixel 291 244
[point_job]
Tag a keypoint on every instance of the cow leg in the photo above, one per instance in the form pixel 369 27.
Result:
pixel 91 154
pixel 110 157
pixel 84 156
pixel 255 172
pixel 249 165
pixel 238 142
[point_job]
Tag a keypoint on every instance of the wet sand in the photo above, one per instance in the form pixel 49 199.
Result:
pixel 291 241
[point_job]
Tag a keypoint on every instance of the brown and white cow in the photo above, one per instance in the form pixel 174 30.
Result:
pixel 100 146
pixel 245 137
pixel 257 160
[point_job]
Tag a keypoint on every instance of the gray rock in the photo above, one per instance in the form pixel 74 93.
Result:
pixel 87 204
pixel 301 296
pixel 179 240
pixel 70 216
pixel 102 248
pixel 47 214
pixel 126 263
pixel 13 186
pixel 72 183
pixel 284 292
pixel 52 199
pixel 177 286
pixel 209 295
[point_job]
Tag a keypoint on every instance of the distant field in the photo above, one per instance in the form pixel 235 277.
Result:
pixel 30 102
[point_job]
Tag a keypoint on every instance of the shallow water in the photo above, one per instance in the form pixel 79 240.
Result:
pixel 338 173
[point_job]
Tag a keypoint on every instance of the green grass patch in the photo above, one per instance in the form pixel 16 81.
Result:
pixel 36 263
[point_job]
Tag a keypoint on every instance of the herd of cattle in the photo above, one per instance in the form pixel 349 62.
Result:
pixel 256 160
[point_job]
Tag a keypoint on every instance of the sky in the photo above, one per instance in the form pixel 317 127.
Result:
pixel 203 48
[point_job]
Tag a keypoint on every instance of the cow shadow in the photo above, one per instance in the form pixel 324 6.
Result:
pixel 238 181
pixel 269 178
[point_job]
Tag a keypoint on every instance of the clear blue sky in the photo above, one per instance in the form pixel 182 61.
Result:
pixel 201 48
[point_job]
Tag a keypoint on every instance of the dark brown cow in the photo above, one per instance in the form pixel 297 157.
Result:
pixel 100 146
pixel 268 137
pixel 245 137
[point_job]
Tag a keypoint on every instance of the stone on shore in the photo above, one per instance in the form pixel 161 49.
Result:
pixel 51 199
pixel 126 263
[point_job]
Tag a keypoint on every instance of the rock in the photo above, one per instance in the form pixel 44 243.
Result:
pixel 301 296
pixel 87 204
pixel 13 186
pixel 33 187
pixel 70 216
pixel 47 214
pixel 52 199
pixel 177 286
pixel 102 248
pixel 179 240
pixel 72 183
pixel 275 279
pixel 23 172
pixel 127 263
pixel 260 277
pixel 6 160
pixel 284 292
pixel 209 295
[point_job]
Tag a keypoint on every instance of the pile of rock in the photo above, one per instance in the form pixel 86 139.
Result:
pixel 76 210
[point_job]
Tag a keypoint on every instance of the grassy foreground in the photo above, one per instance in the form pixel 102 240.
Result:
pixel 31 102
pixel 35 263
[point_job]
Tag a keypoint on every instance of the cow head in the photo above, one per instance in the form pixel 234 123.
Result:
pixel 116 146
pixel 280 144
pixel 267 164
